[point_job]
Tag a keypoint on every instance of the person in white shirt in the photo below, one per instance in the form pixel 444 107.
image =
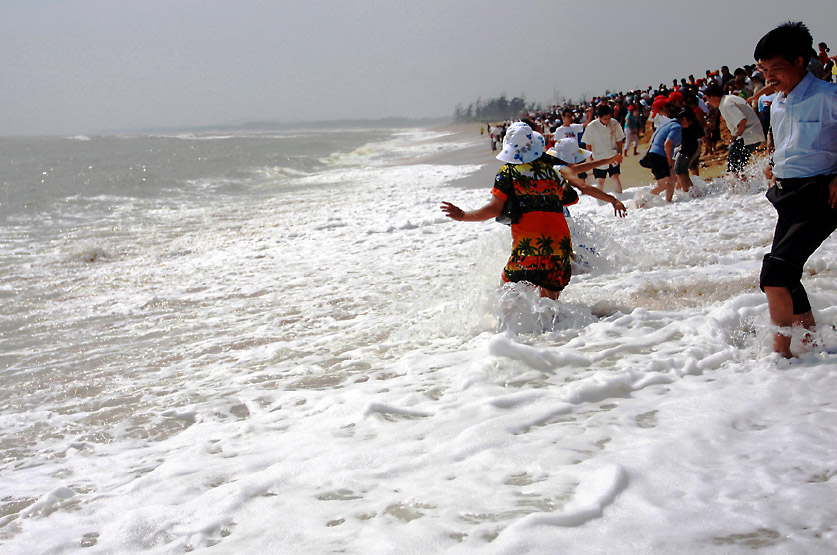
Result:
pixel 743 123
pixel 703 105
pixel 568 129
pixel 803 181
pixel 741 74
pixel 495 136
pixel 604 136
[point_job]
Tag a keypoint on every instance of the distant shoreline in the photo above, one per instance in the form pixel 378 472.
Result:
pixel 273 126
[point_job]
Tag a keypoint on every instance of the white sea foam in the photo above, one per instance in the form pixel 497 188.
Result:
pixel 333 366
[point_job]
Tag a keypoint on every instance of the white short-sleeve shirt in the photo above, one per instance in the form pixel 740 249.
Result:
pixel 568 132
pixel 734 109
pixel 602 139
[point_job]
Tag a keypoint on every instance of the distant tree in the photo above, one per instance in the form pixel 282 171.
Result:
pixel 493 109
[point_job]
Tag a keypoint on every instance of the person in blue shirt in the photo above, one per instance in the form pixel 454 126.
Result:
pixel 803 180
pixel 660 157
pixel 631 130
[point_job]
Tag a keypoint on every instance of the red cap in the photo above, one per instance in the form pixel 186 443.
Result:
pixel 658 103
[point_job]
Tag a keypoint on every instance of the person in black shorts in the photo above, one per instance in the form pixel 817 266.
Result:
pixel 689 154
pixel 660 157
pixel 613 169
pixel 605 137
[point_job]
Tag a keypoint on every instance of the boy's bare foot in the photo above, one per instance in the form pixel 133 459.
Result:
pixel 781 344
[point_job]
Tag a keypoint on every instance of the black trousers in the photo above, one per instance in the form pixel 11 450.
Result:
pixel 805 221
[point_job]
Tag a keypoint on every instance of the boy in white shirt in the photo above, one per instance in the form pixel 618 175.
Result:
pixel 604 136
pixel 568 130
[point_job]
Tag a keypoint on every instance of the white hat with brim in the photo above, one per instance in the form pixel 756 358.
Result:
pixel 568 151
pixel 521 145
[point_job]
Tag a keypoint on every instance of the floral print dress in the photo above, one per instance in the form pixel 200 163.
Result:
pixel 542 249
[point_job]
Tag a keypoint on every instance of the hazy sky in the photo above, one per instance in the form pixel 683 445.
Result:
pixel 83 66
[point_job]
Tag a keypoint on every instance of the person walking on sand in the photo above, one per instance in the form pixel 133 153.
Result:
pixel 604 136
pixel 541 244
pixel 803 180
pixel 743 123
pixel 631 130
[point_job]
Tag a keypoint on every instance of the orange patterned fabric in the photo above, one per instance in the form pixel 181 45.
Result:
pixel 542 248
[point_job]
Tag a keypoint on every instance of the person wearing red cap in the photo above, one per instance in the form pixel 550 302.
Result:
pixel 659 112
pixel 660 157
pixel 676 98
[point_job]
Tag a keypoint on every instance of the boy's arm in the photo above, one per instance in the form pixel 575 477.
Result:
pixel 618 208
pixel 589 165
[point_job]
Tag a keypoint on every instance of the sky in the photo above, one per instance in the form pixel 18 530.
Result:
pixel 89 66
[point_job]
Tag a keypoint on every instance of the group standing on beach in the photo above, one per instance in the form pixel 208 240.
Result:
pixel 798 118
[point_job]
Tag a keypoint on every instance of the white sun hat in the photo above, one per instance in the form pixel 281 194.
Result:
pixel 568 151
pixel 521 145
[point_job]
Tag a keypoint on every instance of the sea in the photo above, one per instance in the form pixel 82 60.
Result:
pixel 275 342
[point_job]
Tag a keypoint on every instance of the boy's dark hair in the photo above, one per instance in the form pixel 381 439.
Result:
pixel 789 40
pixel 531 123
pixel 714 90
pixel 567 111
pixel 604 110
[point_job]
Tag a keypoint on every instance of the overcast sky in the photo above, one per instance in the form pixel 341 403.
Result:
pixel 84 66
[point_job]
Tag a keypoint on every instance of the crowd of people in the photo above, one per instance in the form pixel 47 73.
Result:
pixel 536 182
pixel 685 118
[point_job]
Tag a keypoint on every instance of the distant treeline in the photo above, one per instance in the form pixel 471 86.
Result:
pixel 391 122
pixel 494 109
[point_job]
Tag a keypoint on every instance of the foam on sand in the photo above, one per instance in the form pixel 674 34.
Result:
pixel 320 361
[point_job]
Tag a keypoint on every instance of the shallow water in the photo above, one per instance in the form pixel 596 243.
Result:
pixel 277 343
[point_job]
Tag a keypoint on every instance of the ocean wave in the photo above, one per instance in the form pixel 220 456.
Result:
pixel 400 149
pixel 278 172
pixel 206 365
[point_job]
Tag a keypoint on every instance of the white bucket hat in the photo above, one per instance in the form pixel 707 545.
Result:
pixel 568 151
pixel 521 145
